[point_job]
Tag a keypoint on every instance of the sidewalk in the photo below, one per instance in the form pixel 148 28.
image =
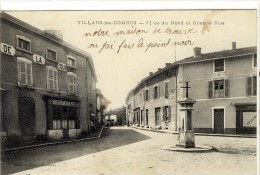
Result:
pixel 24 145
pixel 201 134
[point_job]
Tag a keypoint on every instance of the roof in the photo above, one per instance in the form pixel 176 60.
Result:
pixel 219 54
pixel 52 38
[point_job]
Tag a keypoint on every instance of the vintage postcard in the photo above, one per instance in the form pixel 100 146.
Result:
pixel 131 92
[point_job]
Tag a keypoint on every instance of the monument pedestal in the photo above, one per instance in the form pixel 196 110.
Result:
pixel 186 139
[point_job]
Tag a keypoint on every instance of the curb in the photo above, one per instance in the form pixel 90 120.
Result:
pixel 54 143
pixel 199 134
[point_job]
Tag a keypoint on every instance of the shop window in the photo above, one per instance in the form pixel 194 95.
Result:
pixel 56 124
pixel 156 92
pixel 71 124
pixel 23 43
pixel 251 83
pixel 52 78
pixel 64 124
pixel 219 65
pixel 71 61
pixel 219 89
pixel 72 82
pixel 166 89
pixel 51 54
pixel 24 71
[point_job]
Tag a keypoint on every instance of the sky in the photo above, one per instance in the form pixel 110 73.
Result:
pixel 124 54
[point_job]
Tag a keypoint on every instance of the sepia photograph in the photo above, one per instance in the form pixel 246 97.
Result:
pixel 129 92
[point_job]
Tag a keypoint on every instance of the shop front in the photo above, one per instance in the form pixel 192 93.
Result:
pixel 63 120
pixel 246 118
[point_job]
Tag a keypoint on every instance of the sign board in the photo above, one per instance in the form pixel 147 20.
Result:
pixel 38 59
pixel 7 49
pixel 249 119
pixel 62 67
pixel 219 75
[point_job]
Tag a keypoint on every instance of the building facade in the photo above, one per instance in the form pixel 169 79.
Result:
pixel 223 83
pixel 47 85
pixel 152 103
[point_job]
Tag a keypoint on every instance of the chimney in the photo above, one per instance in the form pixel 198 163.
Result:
pixel 56 33
pixel 234 45
pixel 197 52
pixel 150 73
pixel 167 64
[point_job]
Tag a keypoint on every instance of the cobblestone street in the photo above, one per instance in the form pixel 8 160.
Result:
pixel 123 150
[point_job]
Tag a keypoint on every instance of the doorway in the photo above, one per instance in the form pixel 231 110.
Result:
pixel 219 121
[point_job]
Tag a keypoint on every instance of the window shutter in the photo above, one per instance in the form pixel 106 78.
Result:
pixel 164 114
pixel 19 72
pixel 248 86
pixel 158 91
pixel 149 92
pixel 210 89
pixel 166 89
pixel 226 88
pixel 48 81
pixel 169 113
pixel 254 85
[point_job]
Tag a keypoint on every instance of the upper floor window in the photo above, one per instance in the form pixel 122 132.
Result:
pixel 51 54
pixel 219 88
pixel 24 71
pixel 219 65
pixel 156 92
pixel 23 43
pixel 72 82
pixel 52 78
pixel 255 60
pixel 146 94
pixel 166 89
pixel 71 61
pixel 251 86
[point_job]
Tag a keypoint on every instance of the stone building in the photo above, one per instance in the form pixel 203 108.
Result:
pixel 48 86
pixel 223 83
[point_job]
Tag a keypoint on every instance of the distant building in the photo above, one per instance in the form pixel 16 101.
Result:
pixel 102 104
pixel 223 84
pixel 118 115
pixel 48 86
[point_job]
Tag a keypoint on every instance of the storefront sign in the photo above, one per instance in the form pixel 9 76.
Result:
pixel 62 67
pixel 64 103
pixel 249 119
pixel 38 59
pixel 7 49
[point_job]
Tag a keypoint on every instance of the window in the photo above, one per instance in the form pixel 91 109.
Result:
pixel 51 54
pixel 146 95
pixel 56 124
pixel 255 60
pixel 167 113
pixel 52 78
pixel 23 43
pixel 71 61
pixel 72 82
pixel 166 89
pixel 156 92
pixel 24 71
pixel 219 65
pixel 251 86
pixel 219 88
pixel 157 116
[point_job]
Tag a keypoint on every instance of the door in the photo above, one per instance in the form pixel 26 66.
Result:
pixel 219 121
pixel 157 116
pixel 26 114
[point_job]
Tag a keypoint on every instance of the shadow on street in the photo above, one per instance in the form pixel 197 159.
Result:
pixel 20 160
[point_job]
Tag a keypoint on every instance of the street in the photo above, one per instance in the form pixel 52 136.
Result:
pixel 127 151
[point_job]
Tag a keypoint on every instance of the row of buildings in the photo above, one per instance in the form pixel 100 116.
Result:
pixel 48 86
pixel 223 83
